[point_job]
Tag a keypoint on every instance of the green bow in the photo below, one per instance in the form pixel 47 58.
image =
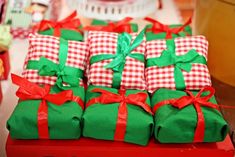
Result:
pixel 65 74
pixel 124 49
pixel 183 62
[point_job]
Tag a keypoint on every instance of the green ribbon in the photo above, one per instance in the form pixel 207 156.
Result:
pixel 65 74
pixel 183 62
pixel 124 49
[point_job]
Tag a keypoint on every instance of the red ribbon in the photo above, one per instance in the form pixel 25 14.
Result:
pixel 197 101
pixel 159 27
pixel 118 27
pixel 70 22
pixel 30 91
pixel 108 98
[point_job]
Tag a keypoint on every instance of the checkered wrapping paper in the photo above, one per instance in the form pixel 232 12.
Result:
pixel 157 77
pixel 48 46
pixel 21 33
pixel 106 43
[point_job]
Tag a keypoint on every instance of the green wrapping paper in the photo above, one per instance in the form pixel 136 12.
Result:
pixel 118 27
pixel 100 119
pixel 65 34
pixel 174 125
pixel 157 30
pixel 187 31
pixel 64 121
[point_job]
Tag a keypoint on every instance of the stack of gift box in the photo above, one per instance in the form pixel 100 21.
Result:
pixel 151 84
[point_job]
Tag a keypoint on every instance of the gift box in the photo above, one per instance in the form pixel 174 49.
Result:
pixel 4 56
pixel 117 60
pixel 157 30
pixel 187 117
pixel 46 112
pixel 179 63
pixel 117 27
pixel 120 115
pixel 53 60
pixel 68 28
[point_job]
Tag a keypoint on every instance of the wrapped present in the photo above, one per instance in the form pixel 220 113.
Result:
pixel 68 28
pixel 120 115
pixel 187 117
pixel 4 56
pixel 157 30
pixel 53 60
pixel 5 37
pixel 46 112
pixel 118 27
pixel 177 64
pixel 117 60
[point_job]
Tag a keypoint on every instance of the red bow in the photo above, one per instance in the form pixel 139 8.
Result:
pixel 119 27
pixel 197 101
pixel 30 91
pixel 159 27
pixel 108 98
pixel 70 22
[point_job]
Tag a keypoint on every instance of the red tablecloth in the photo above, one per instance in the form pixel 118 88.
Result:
pixel 97 148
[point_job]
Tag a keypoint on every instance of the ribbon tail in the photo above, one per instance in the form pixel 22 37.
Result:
pixel 200 128
pixel 183 26
pixel 43 131
pixel 179 79
pixel 138 40
pixel 120 130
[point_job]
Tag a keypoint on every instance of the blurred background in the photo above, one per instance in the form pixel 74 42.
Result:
pixel 213 18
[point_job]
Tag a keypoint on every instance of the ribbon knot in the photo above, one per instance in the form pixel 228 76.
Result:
pixel 180 63
pixel 60 73
pixel 108 98
pixel 70 22
pixel 158 27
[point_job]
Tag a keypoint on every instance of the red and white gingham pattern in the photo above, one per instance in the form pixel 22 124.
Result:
pixel 106 43
pixel 157 77
pixel 21 33
pixel 48 46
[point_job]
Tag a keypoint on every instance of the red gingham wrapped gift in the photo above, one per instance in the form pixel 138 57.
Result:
pixel 106 48
pixel 52 60
pixel 177 64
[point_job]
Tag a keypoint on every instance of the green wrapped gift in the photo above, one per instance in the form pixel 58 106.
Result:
pixel 118 27
pixel 187 117
pixel 157 30
pixel 68 28
pixel 120 115
pixel 46 113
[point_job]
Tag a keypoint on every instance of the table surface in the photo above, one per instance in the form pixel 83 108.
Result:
pixel 86 147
